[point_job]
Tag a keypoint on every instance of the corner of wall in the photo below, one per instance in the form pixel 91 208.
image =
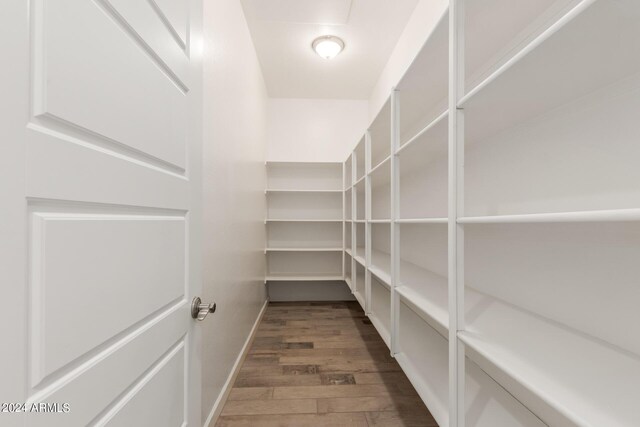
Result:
pixel 234 178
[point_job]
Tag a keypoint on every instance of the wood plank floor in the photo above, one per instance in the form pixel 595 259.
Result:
pixel 321 364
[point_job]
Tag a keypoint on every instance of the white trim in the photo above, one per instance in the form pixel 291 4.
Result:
pixel 228 385
pixel 614 215
pixel 296 162
pixel 301 190
pixel 456 209
pixel 300 220
pixel 422 221
pixel 303 250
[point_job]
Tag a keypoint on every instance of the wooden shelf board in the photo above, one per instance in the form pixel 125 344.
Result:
pixel 301 163
pixel 618 215
pixel 304 278
pixel 303 220
pixel 382 276
pixel 495 333
pixel 558 386
pixel 566 388
pixel 422 221
pixel 360 256
pixel 425 291
pixel 381 266
pixel 300 190
pixel 303 250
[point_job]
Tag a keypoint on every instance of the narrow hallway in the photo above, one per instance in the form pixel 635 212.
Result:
pixel 321 364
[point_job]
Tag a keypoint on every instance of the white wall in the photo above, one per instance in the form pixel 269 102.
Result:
pixel 416 32
pixel 242 127
pixel 314 129
pixel 235 114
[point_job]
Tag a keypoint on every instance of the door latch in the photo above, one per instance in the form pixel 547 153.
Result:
pixel 199 310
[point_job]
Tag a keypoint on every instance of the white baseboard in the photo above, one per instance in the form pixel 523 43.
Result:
pixel 226 389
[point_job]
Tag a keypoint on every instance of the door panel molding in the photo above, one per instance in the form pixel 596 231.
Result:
pixel 110 89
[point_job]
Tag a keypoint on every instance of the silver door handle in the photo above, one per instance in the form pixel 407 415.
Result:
pixel 199 310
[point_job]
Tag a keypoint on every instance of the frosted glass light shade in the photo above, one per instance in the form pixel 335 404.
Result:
pixel 328 47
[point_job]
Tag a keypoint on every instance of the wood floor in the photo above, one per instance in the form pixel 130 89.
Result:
pixel 321 364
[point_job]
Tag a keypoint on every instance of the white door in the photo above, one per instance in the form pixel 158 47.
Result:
pixel 100 140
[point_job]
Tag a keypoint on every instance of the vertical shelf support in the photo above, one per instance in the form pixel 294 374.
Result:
pixel 354 174
pixel 266 226
pixel 456 210
pixel 344 214
pixel 367 217
pixel 394 215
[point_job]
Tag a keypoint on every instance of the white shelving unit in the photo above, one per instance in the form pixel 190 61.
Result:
pixel 496 248
pixel 305 223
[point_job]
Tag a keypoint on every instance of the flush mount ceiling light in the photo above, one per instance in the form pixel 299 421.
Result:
pixel 328 47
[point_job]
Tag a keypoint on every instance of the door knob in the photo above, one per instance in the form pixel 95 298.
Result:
pixel 199 310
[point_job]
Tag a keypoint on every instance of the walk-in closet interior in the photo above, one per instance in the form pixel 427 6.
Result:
pixel 491 215
pixel 494 215
pixel 265 213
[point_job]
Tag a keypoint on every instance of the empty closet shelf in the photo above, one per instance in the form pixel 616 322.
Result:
pixel 543 73
pixel 275 190
pixel 617 215
pixel 360 256
pixel 303 250
pixel 291 164
pixel 422 220
pixel 426 292
pixel 425 388
pixel 565 376
pixel 382 275
pixel 300 220
pixel 380 266
pixel 304 278
pixel 431 312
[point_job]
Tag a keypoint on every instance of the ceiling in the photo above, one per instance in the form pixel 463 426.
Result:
pixel 282 32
